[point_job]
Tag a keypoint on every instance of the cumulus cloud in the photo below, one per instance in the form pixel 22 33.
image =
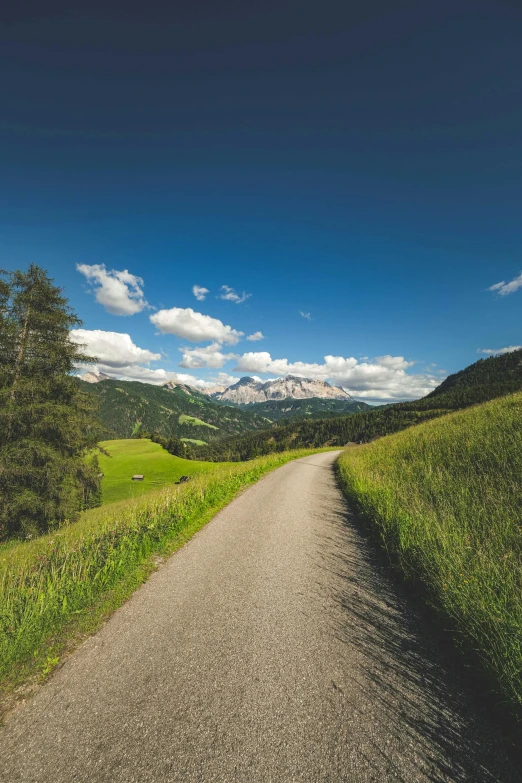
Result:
pixel 196 327
pixel 146 375
pixel 507 349
pixel 200 292
pixel 383 378
pixel 210 356
pixel 120 293
pixel 222 379
pixel 112 349
pixel 504 288
pixel 305 315
pixel 230 295
pixel 256 336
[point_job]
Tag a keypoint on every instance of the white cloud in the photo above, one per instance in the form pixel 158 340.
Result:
pixel 112 349
pixel 222 379
pixel 230 295
pixel 200 292
pixel 159 376
pixel 508 349
pixel 119 292
pixel 262 362
pixel 305 315
pixel 193 326
pixel 384 378
pixel 145 375
pixel 210 356
pixel 394 362
pixel 256 336
pixel 504 288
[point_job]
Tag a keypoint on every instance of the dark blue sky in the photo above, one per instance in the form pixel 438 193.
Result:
pixel 360 163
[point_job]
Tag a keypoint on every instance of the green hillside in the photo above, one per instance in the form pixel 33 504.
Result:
pixel 313 408
pixel 485 380
pixel 128 407
pixel 128 457
pixel 482 381
pixel 445 499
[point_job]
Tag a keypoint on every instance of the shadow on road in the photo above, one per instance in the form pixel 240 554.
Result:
pixel 406 666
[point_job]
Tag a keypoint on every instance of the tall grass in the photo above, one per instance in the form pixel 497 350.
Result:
pixel 446 500
pixel 45 582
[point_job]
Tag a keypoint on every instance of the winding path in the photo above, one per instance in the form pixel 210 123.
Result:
pixel 272 647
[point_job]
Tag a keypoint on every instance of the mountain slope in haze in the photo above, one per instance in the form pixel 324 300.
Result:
pixel 128 407
pixel 312 408
pixel 485 380
pixel 247 390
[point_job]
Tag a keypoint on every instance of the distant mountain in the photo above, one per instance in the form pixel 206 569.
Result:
pixel 485 380
pixel 312 408
pixel 171 385
pixel 93 377
pixel 248 391
pixel 211 391
pixel 174 410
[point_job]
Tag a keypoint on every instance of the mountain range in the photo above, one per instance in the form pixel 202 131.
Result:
pixel 128 408
pixel 249 390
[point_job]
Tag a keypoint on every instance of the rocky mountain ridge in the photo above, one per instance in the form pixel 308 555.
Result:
pixel 249 390
pixel 94 377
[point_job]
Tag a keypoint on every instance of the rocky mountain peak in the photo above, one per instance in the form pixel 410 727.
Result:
pixel 248 390
pixel 93 377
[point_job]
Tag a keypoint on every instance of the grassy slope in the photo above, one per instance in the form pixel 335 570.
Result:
pixel 446 500
pixel 129 457
pixel 184 419
pixel 126 407
pixel 60 586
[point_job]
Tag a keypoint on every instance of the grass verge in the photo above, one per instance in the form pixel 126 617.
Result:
pixel 128 457
pixel 445 499
pixel 59 587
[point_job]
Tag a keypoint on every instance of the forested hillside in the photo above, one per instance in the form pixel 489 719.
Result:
pixel 313 408
pixel 128 408
pixel 485 380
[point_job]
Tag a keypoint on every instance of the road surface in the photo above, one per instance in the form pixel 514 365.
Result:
pixel 272 647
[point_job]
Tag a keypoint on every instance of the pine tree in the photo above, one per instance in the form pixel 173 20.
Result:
pixel 47 425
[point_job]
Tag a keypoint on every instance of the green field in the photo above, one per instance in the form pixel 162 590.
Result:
pixel 184 419
pixel 129 457
pixel 445 498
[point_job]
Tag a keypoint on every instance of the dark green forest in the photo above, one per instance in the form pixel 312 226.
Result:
pixel 313 408
pixel 48 424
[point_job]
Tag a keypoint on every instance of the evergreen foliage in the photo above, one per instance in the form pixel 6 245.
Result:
pixel 310 408
pixel 47 423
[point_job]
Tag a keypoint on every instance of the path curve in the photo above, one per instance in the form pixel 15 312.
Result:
pixel 272 647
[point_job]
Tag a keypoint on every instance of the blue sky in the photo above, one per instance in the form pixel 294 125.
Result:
pixel 359 164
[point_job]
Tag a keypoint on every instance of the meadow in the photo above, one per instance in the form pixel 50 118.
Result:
pixel 63 584
pixel 128 457
pixel 445 499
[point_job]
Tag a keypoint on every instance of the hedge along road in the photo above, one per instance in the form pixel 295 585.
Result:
pixel 272 647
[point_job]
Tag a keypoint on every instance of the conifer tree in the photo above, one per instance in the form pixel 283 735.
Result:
pixel 47 425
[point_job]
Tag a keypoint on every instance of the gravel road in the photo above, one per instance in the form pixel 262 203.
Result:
pixel 272 647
